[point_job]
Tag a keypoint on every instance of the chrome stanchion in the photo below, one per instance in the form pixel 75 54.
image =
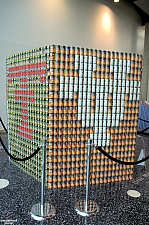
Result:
pixel 1 148
pixel 43 210
pixel 87 207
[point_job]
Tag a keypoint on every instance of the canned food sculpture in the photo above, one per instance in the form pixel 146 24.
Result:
pixel 68 95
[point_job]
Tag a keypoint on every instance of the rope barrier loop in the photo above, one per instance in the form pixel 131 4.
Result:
pixel 19 159
pixel 121 161
pixel 142 131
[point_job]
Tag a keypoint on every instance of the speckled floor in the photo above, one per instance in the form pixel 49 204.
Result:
pixel 115 206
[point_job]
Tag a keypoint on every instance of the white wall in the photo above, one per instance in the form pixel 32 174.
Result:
pixel 101 24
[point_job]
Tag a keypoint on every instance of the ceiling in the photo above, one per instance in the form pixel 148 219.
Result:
pixel 142 6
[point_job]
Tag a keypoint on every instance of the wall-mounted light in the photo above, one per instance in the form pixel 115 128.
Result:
pixel 106 22
pixel 116 0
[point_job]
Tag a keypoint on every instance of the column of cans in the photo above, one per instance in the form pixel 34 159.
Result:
pixel 13 123
pixel 82 64
pixel 117 108
pixel 131 111
pixel 12 114
pixel 51 147
pixel 83 67
pixel 23 88
pixel 101 114
pixel 25 108
pixel 60 127
pixel 96 82
pixel 116 102
pixel 10 100
pixel 32 61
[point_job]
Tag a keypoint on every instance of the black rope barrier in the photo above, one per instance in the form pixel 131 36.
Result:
pixel 120 161
pixel 144 120
pixel 143 133
pixel 144 129
pixel 3 125
pixel 19 159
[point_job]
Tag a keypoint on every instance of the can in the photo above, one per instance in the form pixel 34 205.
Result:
pixel 52 48
pixel 67 50
pixel 63 49
pixel 72 50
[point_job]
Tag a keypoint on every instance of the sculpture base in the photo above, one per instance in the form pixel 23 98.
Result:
pixel 92 208
pixel 39 212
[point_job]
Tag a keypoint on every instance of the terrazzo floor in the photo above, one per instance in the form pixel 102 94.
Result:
pixel 116 207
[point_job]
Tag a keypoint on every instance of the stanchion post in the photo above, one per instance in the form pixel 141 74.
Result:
pixel 43 176
pixel 87 207
pixel 88 174
pixel 43 210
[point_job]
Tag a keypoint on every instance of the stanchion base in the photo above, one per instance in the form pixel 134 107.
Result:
pixel 92 208
pixel 38 214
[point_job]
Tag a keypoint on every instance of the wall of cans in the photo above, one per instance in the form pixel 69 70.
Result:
pixel 68 95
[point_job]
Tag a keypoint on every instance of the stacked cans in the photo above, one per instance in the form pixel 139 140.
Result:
pixel 27 91
pixel 68 95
